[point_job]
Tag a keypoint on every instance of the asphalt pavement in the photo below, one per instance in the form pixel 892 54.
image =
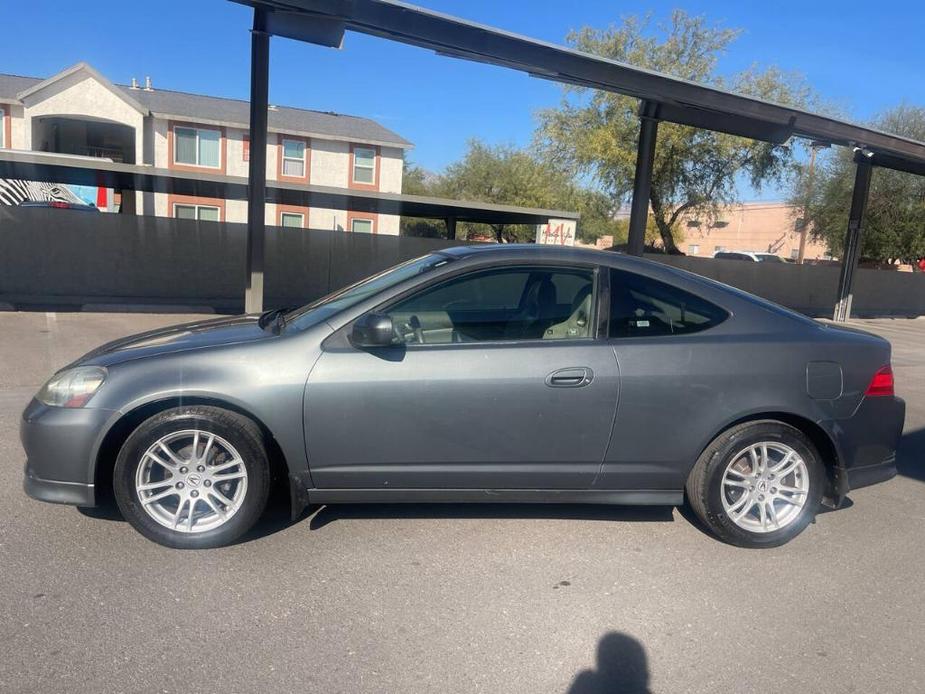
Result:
pixel 429 598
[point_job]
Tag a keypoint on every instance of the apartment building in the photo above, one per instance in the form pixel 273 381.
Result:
pixel 80 112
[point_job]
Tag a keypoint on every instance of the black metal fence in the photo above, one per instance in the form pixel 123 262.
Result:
pixel 64 259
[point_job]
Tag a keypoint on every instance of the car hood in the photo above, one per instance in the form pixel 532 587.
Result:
pixel 178 338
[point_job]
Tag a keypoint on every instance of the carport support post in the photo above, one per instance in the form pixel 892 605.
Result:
pixel 451 227
pixel 257 171
pixel 645 156
pixel 852 250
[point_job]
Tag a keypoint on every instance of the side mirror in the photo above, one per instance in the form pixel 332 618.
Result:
pixel 374 330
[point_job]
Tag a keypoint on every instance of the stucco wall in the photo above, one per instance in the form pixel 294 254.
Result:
pixel 330 163
pixel 390 170
pixel 17 126
pixel 81 95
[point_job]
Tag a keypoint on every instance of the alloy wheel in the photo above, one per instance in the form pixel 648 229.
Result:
pixel 191 481
pixel 765 487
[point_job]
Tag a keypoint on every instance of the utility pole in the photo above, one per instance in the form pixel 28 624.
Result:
pixel 814 147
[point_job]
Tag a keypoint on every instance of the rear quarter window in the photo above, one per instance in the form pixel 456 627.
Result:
pixel 643 307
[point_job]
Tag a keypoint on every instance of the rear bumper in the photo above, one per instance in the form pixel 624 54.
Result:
pixel 867 443
pixel 858 477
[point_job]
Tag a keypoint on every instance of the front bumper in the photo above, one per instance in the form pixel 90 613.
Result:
pixel 56 492
pixel 60 445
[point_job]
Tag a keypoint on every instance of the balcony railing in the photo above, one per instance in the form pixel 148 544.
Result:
pixel 102 153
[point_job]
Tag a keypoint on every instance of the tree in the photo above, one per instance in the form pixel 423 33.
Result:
pixel 894 221
pixel 511 176
pixel 415 180
pixel 418 181
pixel 595 132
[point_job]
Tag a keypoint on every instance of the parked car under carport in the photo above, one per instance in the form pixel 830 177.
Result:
pixel 495 373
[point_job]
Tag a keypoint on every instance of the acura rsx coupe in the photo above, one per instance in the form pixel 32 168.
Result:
pixel 482 373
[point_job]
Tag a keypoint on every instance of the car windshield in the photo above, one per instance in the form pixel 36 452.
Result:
pixel 322 309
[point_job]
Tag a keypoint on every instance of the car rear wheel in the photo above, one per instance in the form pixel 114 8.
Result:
pixel 757 484
pixel 193 477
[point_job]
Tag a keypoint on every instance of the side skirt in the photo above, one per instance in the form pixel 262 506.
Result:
pixel 635 497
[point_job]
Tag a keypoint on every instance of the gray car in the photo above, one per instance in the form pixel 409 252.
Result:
pixel 483 373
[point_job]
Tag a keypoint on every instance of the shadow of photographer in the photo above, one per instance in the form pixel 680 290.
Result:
pixel 621 668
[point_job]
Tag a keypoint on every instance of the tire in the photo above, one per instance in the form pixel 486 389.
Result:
pixel 212 497
pixel 726 479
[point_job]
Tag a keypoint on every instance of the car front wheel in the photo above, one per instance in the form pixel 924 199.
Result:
pixel 193 477
pixel 758 484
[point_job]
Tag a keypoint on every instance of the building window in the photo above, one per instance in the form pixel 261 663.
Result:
pixel 293 152
pixel 693 249
pixel 794 253
pixel 361 225
pixel 204 213
pixel 246 148
pixel 2 128
pixel 197 147
pixel 295 220
pixel 364 165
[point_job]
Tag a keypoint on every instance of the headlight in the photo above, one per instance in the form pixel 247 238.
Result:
pixel 73 387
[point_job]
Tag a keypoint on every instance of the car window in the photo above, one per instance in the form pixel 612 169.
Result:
pixel 520 303
pixel 332 304
pixel 644 307
pixel 733 256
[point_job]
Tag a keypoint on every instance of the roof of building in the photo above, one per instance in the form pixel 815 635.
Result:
pixel 198 107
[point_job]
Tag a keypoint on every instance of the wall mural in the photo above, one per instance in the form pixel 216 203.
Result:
pixel 15 192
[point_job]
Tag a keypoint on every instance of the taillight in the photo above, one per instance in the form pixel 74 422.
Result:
pixel 59 205
pixel 882 383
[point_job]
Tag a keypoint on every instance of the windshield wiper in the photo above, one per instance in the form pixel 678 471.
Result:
pixel 276 317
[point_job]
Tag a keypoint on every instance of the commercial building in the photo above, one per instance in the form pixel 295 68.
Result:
pixel 764 227
pixel 80 112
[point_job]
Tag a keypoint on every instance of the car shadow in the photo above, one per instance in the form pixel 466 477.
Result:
pixel 277 516
pixel 621 668
pixel 910 456
pixel 107 511
pixel 648 514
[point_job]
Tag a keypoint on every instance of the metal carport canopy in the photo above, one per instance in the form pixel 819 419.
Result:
pixel 678 101
pixel 663 98
pixel 36 166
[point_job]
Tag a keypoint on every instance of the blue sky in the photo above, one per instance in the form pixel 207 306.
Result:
pixel 857 56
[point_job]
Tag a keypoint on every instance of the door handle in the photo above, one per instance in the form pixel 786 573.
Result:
pixel 572 377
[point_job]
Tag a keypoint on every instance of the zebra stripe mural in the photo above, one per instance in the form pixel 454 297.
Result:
pixel 15 192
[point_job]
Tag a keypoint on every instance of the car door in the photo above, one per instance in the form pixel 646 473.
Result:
pixel 674 380
pixel 501 381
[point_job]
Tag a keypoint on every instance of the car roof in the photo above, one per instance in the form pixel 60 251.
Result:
pixel 530 250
